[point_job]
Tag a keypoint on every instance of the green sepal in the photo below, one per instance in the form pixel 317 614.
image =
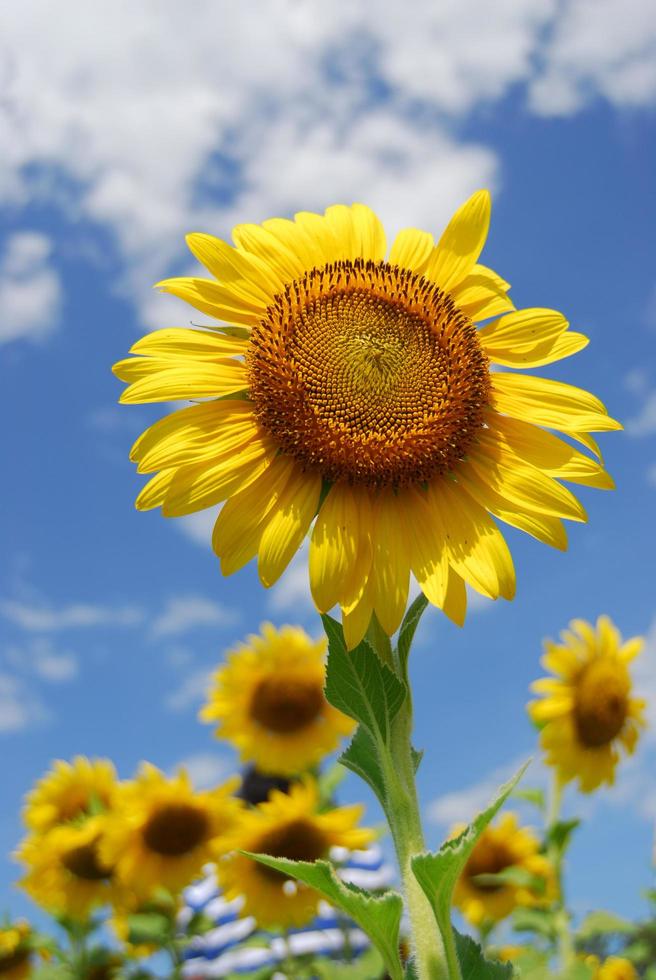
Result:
pixel 408 629
pixel 150 928
pixel 559 834
pixel 360 685
pixel 474 966
pixel 600 923
pixel 531 794
pixel 438 873
pixel 379 916
pixel 362 758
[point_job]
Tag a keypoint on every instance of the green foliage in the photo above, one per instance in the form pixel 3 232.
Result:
pixel 362 758
pixel 543 922
pixel 520 877
pixel 559 835
pixel 379 916
pixel 408 629
pixel 531 794
pixel 368 966
pixel 151 928
pixel 474 965
pixel 438 873
pixel 600 923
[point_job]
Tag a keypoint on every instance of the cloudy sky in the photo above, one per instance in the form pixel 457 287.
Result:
pixel 122 126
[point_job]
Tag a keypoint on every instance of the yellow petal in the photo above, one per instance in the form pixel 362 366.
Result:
pixel 202 485
pixel 476 547
pixel 220 302
pixel 200 379
pixel 390 569
pixel 369 233
pixel 550 403
pixel 288 524
pixel 340 220
pixel 177 342
pixel 319 238
pixel 190 424
pixel 455 600
pixel 256 240
pixel 222 439
pixel 232 267
pixel 428 555
pixel 462 242
pixel 333 546
pixel 523 329
pixel 154 492
pixel 356 620
pixel 411 249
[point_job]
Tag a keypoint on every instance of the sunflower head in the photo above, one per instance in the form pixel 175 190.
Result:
pixel 66 873
pixel 613 968
pixel 288 825
pixel 162 832
pixel 70 791
pixel 501 847
pixel 352 386
pixel 15 951
pixel 256 786
pixel 587 710
pixel 269 702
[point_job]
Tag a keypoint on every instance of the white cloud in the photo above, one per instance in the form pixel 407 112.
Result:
pixel 598 48
pixel 206 769
pixel 184 613
pixel 198 527
pixel 42 618
pixel 460 806
pixel 191 692
pixel 644 423
pixel 41 657
pixel 292 592
pixel 30 289
pixel 19 709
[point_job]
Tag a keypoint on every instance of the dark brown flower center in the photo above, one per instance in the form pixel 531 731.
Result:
pixel 175 829
pixel 370 373
pixel 602 703
pixel 83 862
pixel 299 840
pixel 13 960
pixel 489 857
pixel 284 705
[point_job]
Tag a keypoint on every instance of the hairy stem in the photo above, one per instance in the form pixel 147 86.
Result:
pixel 555 855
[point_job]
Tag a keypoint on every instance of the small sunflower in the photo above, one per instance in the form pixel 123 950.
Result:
pixel 500 847
pixel 160 832
pixel 66 873
pixel 69 791
pixel 614 968
pixel 286 826
pixel 355 390
pixel 15 951
pixel 587 710
pixel 269 701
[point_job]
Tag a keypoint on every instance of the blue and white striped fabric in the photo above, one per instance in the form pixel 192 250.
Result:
pixel 221 951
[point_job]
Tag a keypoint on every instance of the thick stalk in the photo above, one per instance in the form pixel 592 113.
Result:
pixel 434 958
pixel 555 855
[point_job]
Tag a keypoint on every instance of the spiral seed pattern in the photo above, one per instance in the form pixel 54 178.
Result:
pixel 369 373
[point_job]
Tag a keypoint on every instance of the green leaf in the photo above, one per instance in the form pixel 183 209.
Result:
pixel 368 966
pixel 152 928
pixel 560 834
pixel 514 876
pixel 408 629
pixel 599 923
pixel 362 758
pixel 358 684
pixel 541 921
pixel 531 794
pixel 379 916
pixel 438 873
pixel 416 755
pixel 474 966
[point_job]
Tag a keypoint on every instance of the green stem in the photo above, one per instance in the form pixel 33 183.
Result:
pixel 435 955
pixel 555 856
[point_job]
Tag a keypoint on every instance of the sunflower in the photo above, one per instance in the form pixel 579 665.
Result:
pixel 269 701
pixel 69 791
pixel 587 711
pixel 160 832
pixel 66 873
pixel 355 390
pixel 287 826
pixel 500 847
pixel 614 968
pixel 15 951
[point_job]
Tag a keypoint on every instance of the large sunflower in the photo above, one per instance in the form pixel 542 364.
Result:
pixel 288 825
pixel 65 871
pixel 15 951
pixel 69 791
pixel 269 701
pixel 357 392
pixel 587 710
pixel 500 847
pixel 160 832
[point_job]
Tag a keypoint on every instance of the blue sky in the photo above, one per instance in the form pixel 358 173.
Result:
pixel 121 133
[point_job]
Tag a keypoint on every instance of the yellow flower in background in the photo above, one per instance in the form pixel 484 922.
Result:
pixel 288 826
pixel 587 710
pixel 614 968
pixel 269 701
pixel 357 389
pixel 66 873
pixel 160 832
pixel 15 951
pixel 502 846
pixel 69 791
